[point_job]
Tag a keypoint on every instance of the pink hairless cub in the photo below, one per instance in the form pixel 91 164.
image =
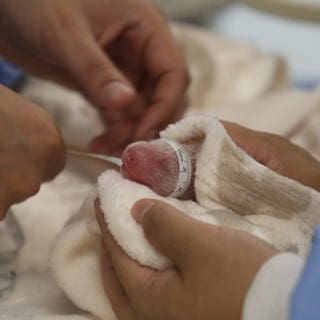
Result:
pixel 165 166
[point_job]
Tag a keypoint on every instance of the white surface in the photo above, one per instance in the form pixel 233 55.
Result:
pixel 297 41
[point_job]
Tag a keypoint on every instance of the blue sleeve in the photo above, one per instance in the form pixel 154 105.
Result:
pixel 305 302
pixel 10 75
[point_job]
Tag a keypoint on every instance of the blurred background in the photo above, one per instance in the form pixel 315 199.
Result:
pixel 290 28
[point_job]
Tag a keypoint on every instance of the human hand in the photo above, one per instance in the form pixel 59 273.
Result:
pixel 31 149
pixel 120 53
pixel 214 267
pixel 278 154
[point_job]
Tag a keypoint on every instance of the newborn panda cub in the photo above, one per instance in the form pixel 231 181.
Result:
pixel 165 166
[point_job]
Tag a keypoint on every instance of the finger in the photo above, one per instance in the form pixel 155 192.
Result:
pixel 168 230
pixel 120 302
pixel 238 133
pixel 166 69
pixel 180 111
pixel 136 110
pixel 254 143
pixel 113 116
pixel 132 112
pixel 140 283
pixel 117 137
pixel 97 74
pixel 168 93
pixel 16 189
pixel 153 133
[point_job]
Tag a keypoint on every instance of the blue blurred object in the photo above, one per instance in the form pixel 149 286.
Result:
pixel 10 75
pixel 306 298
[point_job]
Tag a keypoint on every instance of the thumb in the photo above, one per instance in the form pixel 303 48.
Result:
pixel 102 81
pixel 167 229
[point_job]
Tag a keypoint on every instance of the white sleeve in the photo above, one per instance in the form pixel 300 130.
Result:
pixel 268 298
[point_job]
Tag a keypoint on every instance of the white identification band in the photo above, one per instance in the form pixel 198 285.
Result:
pixel 185 168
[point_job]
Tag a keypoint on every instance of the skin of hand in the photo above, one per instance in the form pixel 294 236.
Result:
pixel 120 53
pixel 278 154
pixel 213 268
pixel 31 149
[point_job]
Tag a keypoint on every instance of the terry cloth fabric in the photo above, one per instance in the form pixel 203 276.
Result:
pixel 231 189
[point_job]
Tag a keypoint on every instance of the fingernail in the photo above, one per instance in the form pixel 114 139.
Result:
pixel 117 94
pixel 140 209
